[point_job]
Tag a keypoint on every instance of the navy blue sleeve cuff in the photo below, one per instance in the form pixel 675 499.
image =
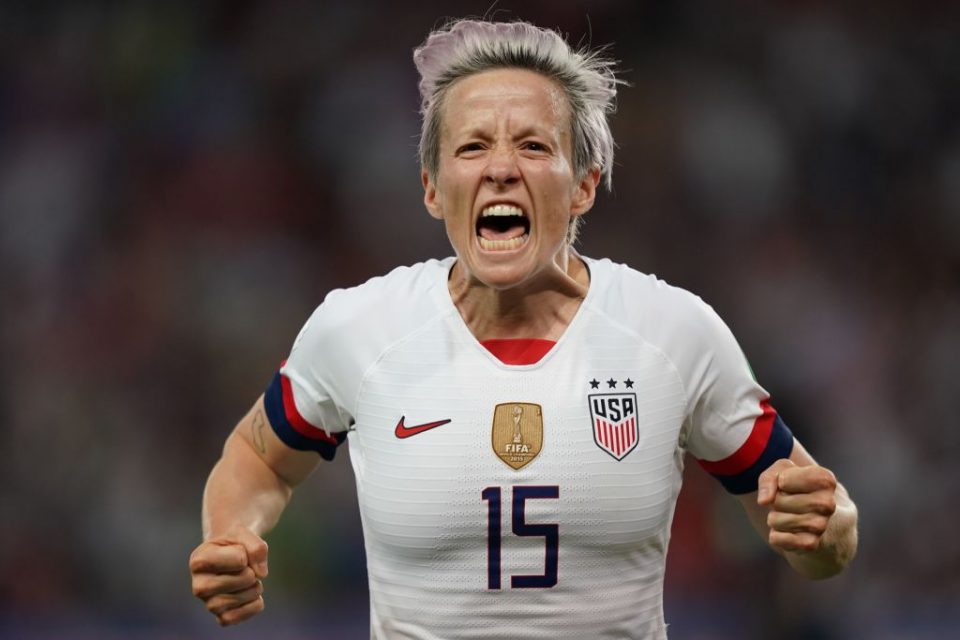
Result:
pixel 291 427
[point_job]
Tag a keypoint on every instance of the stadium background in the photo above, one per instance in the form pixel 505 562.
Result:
pixel 181 183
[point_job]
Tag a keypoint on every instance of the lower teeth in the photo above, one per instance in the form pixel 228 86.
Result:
pixel 502 245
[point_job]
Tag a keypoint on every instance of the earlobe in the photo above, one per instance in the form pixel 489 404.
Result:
pixel 586 193
pixel 431 199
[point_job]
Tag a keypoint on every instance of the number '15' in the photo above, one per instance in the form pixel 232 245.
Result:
pixel 520 527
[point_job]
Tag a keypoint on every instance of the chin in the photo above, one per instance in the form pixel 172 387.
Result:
pixel 503 270
pixel 502 276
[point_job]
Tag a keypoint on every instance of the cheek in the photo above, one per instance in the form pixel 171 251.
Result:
pixel 455 209
pixel 557 193
pixel 454 182
pixel 559 173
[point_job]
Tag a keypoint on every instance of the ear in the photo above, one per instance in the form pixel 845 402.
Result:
pixel 430 196
pixel 585 193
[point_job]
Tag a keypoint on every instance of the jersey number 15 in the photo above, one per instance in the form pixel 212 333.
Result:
pixel 520 527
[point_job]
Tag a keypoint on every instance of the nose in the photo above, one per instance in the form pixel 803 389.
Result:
pixel 501 169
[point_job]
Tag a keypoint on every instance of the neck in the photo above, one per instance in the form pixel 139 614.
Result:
pixel 540 308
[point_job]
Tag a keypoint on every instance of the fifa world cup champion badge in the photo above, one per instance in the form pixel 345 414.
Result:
pixel 517 432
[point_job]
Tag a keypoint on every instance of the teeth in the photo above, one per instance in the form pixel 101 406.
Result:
pixel 502 245
pixel 502 210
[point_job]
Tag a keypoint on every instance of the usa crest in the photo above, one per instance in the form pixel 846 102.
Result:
pixel 614 418
pixel 517 432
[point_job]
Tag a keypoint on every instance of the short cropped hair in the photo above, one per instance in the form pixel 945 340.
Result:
pixel 465 47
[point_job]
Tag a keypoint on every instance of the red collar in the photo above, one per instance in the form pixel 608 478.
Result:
pixel 518 350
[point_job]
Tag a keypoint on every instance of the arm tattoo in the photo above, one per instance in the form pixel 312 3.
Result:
pixel 257 428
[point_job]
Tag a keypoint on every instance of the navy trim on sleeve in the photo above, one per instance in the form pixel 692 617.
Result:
pixel 285 425
pixel 780 445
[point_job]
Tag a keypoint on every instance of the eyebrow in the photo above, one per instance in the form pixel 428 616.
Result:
pixel 534 131
pixel 526 132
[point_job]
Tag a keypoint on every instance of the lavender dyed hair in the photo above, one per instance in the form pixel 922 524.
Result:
pixel 465 47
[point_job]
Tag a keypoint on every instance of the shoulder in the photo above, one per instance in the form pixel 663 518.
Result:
pixel 671 320
pixel 650 306
pixel 379 311
pixel 407 292
pixel 682 327
pixel 403 284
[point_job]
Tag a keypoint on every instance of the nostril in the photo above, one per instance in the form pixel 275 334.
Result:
pixel 502 170
pixel 502 177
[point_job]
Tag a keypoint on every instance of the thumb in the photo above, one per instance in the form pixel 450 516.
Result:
pixel 255 547
pixel 768 482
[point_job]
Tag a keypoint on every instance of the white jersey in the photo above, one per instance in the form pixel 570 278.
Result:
pixel 522 501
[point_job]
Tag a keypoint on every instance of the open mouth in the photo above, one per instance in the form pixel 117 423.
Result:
pixel 502 227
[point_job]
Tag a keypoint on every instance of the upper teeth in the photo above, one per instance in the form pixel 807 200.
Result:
pixel 502 210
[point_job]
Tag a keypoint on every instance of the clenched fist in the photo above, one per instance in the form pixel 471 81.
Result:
pixel 801 500
pixel 227 573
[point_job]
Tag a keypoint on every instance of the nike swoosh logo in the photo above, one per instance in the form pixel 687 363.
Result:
pixel 403 431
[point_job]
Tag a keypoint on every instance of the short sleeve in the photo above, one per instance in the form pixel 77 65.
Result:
pixel 733 430
pixel 302 403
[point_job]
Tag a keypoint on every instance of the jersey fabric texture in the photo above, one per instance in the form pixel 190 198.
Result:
pixel 528 501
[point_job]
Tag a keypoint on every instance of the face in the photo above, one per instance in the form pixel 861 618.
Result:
pixel 505 186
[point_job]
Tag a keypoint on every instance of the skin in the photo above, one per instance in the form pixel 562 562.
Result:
pixel 804 514
pixel 506 139
pixel 246 492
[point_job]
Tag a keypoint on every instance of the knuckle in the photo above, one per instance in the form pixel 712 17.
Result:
pixel 825 478
pixel 201 588
pixel 775 468
pixel 245 612
pixel 810 543
pixel 806 525
pixel 233 608
pixel 820 525
pixel 825 505
pixel 246 579
pixel 246 596
pixel 830 505
pixel 229 617
pixel 235 616
pixel 238 556
pixel 216 606
pixel 197 562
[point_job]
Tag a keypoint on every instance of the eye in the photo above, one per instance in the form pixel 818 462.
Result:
pixel 533 145
pixel 469 147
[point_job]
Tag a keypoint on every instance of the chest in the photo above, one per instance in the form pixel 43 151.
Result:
pixel 450 447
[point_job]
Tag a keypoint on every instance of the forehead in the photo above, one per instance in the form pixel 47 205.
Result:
pixel 506 92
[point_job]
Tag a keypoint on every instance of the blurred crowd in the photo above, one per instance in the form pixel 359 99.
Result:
pixel 181 183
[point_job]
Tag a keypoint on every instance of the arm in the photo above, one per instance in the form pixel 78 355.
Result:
pixel 253 480
pixel 805 515
pixel 247 490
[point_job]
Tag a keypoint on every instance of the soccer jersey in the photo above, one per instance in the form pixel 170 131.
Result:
pixel 522 500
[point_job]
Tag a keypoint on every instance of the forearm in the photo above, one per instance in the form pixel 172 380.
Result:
pixel 242 490
pixel 837 546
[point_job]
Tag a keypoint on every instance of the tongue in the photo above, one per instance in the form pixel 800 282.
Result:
pixel 492 234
